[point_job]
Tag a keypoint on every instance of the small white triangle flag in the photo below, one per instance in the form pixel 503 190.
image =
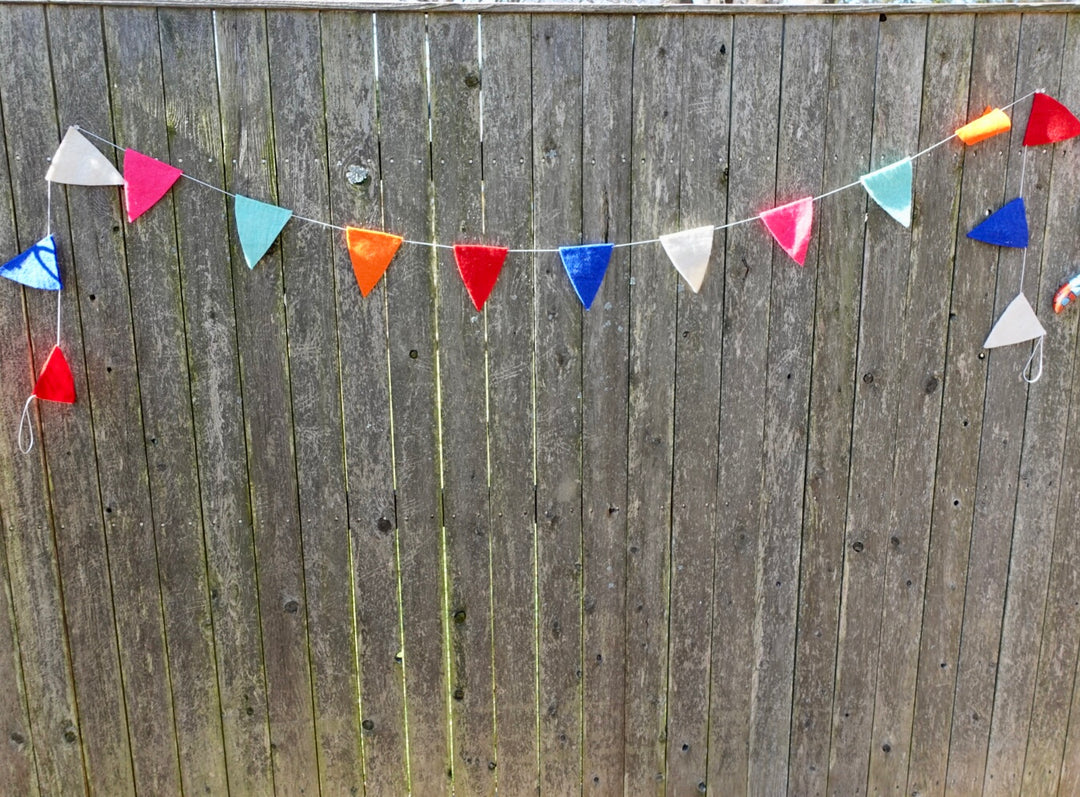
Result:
pixel 78 162
pixel 1017 324
pixel 689 251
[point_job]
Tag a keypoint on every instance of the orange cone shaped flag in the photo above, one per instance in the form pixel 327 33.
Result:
pixel 988 125
pixel 55 382
pixel 371 252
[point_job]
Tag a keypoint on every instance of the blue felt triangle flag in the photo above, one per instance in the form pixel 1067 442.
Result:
pixel 890 187
pixel 36 267
pixel 585 266
pixel 258 225
pixel 1006 227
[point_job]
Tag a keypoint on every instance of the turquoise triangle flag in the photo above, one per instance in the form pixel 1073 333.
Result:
pixel 1006 227
pixel 585 266
pixel 890 187
pixel 36 267
pixel 258 225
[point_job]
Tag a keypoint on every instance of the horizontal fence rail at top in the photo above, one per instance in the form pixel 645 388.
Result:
pixel 795 533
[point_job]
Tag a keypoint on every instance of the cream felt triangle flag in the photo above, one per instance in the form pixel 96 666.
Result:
pixel 689 251
pixel 1016 325
pixel 78 162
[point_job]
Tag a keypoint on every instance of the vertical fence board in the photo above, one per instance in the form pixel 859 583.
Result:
pixel 17 770
pixel 605 204
pixel 507 167
pixel 352 145
pixel 702 198
pixel 756 62
pixel 403 99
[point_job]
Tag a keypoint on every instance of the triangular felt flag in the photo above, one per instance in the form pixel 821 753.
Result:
pixel 479 267
pixel 55 382
pixel 371 252
pixel 258 224
pixel 78 162
pixel 890 187
pixel 991 123
pixel 1017 324
pixel 689 251
pixel 36 267
pixel 1049 121
pixel 145 182
pixel 1006 227
pixel 585 266
pixel 790 225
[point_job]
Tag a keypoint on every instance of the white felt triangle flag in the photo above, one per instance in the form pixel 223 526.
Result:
pixel 1016 325
pixel 689 251
pixel 78 162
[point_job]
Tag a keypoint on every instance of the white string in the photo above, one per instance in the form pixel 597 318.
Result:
pixel 1023 256
pixel 58 317
pixel 25 420
pixel 48 208
pixel 1027 366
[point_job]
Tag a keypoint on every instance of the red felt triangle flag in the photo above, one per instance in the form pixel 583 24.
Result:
pixel 55 382
pixel 479 267
pixel 790 225
pixel 1049 121
pixel 371 252
pixel 146 180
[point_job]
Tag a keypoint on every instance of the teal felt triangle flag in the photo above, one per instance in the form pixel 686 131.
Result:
pixel 1006 227
pixel 890 187
pixel 258 224
pixel 36 267
pixel 585 266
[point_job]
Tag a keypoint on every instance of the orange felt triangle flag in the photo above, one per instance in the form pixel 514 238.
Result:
pixel 146 180
pixel 55 382
pixel 992 122
pixel 371 252
pixel 790 225
pixel 1049 121
pixel 479 267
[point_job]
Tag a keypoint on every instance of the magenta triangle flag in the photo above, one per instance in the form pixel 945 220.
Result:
pixel 146 180
pixel 790 225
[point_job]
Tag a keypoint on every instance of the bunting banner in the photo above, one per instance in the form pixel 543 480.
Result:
pixel 790 225
pixel 258 224
pixel 36 267
pixel 479 267
pixel 370 252
pixel 1049 122
pixel 1016 325
pixel 586 266
pixel 690 251
pixel 990 124
pixel 1006 227
pixel 55 382
pixel 78 162
pixel 890 188
pixel 1067 293
pixel 146 181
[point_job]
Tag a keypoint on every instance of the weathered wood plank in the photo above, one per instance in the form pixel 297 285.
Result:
pixel 262 342
pixel 605 205
pixel 556 158
pixel 832 387
pixel 352 141
pixel 411 297
pixel 924 335
pixel 138 118
pixel 900 47
pixel 202 233
pixel 17 767
pixel 755 91
pixel 456 173
pixel 652 298
pixel 508 169
pixel 702 190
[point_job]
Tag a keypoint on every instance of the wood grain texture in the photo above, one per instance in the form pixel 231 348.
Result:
pixel 17 758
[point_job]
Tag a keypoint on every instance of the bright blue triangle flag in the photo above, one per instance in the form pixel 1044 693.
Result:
pixel 36 267
pixel 1007 227
pixel 258 225
pixel 585 266
pixel 890 187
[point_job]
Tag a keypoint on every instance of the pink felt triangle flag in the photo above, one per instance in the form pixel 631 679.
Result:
pixel 55 382
pixel 479 267
pixel 790 225
pixel 146 180
pixel 1049 121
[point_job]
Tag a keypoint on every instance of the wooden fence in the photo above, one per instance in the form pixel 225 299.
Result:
pixel 795 533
